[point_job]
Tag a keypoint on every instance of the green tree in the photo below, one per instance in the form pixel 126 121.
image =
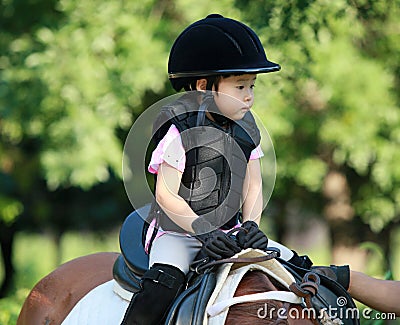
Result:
pixel 333 111
pixel 72 81
pixel 73 77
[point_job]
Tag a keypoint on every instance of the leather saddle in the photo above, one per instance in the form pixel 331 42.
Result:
pixel 133 261
pixel 189 307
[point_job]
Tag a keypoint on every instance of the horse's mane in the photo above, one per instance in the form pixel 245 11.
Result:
pixel 248 313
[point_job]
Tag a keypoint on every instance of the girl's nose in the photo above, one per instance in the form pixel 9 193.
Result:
pixel 249 96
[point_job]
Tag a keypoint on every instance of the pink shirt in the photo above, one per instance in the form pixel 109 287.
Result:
pixel 171 151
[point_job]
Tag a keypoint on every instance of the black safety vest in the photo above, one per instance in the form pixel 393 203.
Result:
pixel 216 162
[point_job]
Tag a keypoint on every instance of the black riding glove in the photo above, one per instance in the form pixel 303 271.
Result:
pixel 216 244
pixel 251 236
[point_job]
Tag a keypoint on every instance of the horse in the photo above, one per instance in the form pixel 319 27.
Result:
pixel 97 289
pixel 54 297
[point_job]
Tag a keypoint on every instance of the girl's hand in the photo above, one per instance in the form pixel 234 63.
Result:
pixel 251 236
pixel 218 245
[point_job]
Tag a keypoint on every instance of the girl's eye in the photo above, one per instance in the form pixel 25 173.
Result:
pixel 242 87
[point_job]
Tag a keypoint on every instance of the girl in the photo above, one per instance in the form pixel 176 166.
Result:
pixel 206 160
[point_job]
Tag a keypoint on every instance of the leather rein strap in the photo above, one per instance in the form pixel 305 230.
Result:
pixel 205 265
pixel 307 289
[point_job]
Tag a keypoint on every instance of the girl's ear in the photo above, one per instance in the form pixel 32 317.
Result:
pixel 201 85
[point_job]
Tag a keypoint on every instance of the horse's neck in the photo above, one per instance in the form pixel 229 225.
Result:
pixel 266 311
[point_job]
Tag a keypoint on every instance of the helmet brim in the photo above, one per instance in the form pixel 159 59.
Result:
pixel 272 67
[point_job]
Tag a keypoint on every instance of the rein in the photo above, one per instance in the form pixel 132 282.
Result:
pixel 205 265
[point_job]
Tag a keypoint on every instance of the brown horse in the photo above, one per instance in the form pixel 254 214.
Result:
pixel 53 297
pixel 264 311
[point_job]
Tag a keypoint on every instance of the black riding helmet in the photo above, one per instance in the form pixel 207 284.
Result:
pixel 213 46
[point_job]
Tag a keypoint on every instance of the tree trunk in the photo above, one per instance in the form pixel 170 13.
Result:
pixel 7 235
pixel 346 231
pixel 345 246
pixel 57 236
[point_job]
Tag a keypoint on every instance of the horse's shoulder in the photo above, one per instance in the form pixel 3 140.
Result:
pixel 54 296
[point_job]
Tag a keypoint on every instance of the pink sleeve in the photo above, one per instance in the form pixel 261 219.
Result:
pixel 256 153
pixel 169 150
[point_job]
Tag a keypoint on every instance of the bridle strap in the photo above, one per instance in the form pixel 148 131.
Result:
pixel 285 296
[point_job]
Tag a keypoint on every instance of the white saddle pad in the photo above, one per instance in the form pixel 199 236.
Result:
pixel 100 306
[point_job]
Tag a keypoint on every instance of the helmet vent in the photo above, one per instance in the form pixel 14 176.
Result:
pixel 231 38
pixel 254 41
pixel 235 43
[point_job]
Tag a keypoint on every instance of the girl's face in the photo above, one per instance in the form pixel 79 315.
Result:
pixel 235 95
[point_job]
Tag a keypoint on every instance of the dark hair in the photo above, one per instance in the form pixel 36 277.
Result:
pixel 189 84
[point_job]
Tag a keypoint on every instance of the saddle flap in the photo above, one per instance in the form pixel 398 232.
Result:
pixel 124 276
pixel 190 306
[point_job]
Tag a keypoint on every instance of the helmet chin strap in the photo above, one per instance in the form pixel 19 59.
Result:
pixel 208 102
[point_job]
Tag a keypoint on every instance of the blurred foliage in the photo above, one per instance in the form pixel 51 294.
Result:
pixel 334 105
pixel 74 75
pixel 27 249
pixel 11 307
